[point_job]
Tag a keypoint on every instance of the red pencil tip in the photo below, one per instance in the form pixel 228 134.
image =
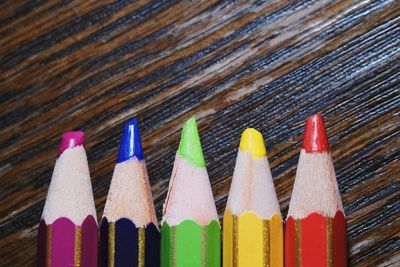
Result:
pixel 315 140
pixel 70 140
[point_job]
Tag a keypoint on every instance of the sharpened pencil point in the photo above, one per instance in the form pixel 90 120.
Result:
pixel 252 140
pixel 131 145
pixel 70 140
pixel 315 140
pixel 190 146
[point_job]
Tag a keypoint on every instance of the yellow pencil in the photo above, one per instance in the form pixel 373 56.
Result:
pixel 252 234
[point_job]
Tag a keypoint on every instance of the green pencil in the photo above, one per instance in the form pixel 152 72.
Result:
pixel 190 232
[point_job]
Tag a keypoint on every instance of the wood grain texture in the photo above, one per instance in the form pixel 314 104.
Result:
pixel 91 65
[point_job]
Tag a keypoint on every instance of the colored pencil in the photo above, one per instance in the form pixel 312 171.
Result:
pixel 190 232
pixel 316 224
pixel 252 231
pixel 128 233
pixel 68 231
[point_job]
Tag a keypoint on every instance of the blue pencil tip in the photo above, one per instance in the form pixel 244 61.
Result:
pixel 131 145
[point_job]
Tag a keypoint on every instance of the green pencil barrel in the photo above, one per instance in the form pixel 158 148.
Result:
pixel 191 244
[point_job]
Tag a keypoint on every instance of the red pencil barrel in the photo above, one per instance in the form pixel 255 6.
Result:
pixel 339 239
pixel 314 241
pixel 290 243
pixel 317 241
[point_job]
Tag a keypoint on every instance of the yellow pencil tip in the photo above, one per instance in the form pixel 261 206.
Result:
pixel 252 140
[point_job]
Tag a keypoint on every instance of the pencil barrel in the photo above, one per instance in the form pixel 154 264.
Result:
pixel 190 244
pixel 123 244
pixel 316 240
pixel 62 243
pixel 250 240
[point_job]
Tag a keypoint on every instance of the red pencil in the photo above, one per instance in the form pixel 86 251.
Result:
pixel 316 224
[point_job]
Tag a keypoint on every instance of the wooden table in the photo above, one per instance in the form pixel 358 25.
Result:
pixel 91 65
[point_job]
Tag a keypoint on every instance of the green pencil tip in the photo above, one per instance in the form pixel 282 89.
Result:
pixel 190 146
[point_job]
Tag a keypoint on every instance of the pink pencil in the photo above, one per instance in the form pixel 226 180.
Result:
pixel 68 231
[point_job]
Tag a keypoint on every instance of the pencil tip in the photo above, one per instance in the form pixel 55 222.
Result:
pixel 70 140
pixel 315 140
pixel 252 140
pixel 190 146
pixel 131 146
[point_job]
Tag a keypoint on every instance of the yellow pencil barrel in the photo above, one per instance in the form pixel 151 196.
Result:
pixel 250 240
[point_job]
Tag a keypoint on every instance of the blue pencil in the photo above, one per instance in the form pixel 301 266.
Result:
pixel 128 231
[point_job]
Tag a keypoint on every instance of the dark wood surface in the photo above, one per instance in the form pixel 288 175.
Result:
pixel 91 65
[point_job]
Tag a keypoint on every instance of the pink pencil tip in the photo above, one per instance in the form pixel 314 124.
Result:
pixel 315 140
pixel 70 140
